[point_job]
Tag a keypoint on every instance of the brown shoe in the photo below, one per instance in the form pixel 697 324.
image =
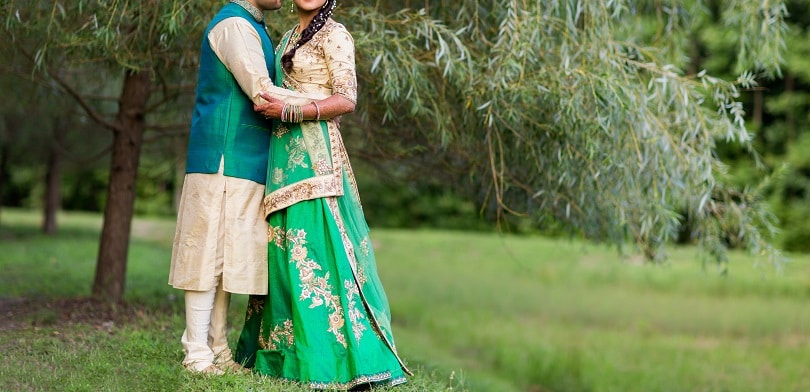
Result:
pixel 210 370
pixel 231 366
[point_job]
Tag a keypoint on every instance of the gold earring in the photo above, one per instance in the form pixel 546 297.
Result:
pixel 292 7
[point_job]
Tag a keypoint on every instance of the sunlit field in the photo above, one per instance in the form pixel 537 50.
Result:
pixel 472 311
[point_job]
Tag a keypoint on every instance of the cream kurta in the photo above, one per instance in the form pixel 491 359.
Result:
pixel 220 230
pixel 220 224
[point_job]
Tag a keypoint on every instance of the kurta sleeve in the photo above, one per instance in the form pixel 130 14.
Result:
pixel 338 48
pixel 237 44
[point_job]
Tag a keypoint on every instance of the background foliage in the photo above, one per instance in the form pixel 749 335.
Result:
pixel 614 121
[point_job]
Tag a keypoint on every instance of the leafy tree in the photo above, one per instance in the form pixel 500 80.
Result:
pixel 32 129
pixel 587 116
pixel 778 112
pixel 783 134
pixel 577 113
pixel 145 46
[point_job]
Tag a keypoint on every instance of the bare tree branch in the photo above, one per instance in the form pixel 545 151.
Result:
pixel 81 100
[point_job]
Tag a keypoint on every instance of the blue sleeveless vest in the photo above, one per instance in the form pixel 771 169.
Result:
pixel 224 125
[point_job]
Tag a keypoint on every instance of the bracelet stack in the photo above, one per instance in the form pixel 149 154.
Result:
pixel 292 113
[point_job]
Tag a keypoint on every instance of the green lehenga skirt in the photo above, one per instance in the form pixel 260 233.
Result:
pixel 325 321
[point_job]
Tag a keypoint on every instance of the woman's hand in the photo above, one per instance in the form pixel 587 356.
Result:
pixel 271 109
pixel 331 107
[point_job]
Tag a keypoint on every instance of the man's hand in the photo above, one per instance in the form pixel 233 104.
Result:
pixel 271 109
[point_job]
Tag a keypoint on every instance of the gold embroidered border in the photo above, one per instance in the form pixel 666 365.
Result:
pixel 335 147
pixel 311 188
pixel 340 159
pixel 254 12
pixel 359 380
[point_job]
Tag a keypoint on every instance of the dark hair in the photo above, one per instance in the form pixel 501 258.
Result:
pixel 315 26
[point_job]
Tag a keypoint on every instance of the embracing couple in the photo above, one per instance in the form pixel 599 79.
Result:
pixel 270 208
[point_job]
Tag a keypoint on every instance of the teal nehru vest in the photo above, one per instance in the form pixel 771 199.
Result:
pixel 224 125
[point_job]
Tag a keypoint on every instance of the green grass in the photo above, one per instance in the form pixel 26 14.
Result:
pixel 472 311
pixel 46 352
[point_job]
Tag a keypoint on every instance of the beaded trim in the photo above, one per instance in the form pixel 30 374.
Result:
pixel 255 12
pixel 376 378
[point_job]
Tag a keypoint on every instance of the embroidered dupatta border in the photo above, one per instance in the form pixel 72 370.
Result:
pixel 312 188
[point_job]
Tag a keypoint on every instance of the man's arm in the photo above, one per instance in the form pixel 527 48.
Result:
pixel 237 44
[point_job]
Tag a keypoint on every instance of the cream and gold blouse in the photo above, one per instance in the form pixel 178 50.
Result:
pixel 325 64
pixel 309 159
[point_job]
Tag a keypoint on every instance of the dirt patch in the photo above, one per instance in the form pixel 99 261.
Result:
pixel 19 313
pixel 12 312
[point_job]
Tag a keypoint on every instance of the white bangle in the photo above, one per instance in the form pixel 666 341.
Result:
pixel 317 111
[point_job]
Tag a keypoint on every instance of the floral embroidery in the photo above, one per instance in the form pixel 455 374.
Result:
pixel 281 334
pixel 315 140
pixel 280 130
pixel 278 176
pixel 276 236
pixel 322 167
pixel 364 248
pixel 255 306
pixel 345 86
pixel 355 315
pixel 313 287
pixel 297 152
pixel 338 49
pixel 299 253
pixel 361 275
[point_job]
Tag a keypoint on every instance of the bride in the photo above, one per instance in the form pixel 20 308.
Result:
pixel 325 321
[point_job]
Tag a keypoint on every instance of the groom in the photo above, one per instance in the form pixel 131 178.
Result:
pixel 220 244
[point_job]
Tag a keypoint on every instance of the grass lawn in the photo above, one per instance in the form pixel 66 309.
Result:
pixel 472 311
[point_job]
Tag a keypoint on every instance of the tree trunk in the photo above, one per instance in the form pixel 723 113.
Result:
pixel 127 141
pixel 53 179
pixel 6 143
pixel 4 175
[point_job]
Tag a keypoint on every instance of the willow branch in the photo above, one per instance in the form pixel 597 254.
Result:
pixel 88 108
